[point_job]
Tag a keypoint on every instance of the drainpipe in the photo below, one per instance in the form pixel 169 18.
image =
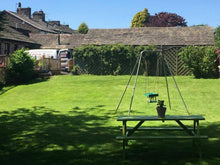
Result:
pixel 58 38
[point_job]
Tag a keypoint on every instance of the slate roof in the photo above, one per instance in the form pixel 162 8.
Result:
pixel 199 35
pixel 170 36
pixel 9 33
pixel 51 40
pixel 41 25
pixel 37 25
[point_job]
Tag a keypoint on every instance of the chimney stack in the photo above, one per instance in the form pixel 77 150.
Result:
pixel 24 11
pixel 19 4
pixel 39 16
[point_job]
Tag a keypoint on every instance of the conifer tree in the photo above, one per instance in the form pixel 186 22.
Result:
pixel 140 19
pixel 83 28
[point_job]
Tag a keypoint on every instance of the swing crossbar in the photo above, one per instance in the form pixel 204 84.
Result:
pixel 152 97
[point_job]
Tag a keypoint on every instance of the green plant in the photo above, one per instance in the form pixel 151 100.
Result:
pixel 111 59
pixel 160 103
pixel 20 68
pixel 83 28
pixel 2 85
pixel 75 70
pixel 217 36
pixel 140 19
pixel 201 60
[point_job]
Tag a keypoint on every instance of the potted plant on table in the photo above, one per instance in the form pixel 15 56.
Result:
pixel 161 109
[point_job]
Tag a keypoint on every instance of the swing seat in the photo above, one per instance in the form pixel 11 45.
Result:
pixel 152 97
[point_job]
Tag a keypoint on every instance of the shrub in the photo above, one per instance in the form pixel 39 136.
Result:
pixel 201 60
pixel 114 59
pixel 75 70
pixel 2 84
pixel 20 68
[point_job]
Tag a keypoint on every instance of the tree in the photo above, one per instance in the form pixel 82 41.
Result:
pixel 140 19
pixel 217 36
pixel 164 19
pixel 83 28
pixel 21 67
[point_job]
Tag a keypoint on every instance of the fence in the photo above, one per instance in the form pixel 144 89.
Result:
pixel 174 61
pixel 49 64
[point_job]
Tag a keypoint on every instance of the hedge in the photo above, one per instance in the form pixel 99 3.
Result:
pixel 110 59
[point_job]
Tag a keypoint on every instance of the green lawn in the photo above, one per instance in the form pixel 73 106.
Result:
pixel 72 120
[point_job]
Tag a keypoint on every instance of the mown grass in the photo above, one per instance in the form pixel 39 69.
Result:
pixel 72 120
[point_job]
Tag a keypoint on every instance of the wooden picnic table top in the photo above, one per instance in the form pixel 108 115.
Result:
pixel 155 118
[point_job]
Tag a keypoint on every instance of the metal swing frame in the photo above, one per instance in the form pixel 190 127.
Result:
pixel 137 68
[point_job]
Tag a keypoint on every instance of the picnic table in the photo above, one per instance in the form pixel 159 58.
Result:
pixel 128 133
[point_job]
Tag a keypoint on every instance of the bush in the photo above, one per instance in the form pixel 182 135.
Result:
pixel 201 60
pixel 20 68
pixel 75 70
pixel 114 59
pixel 2 85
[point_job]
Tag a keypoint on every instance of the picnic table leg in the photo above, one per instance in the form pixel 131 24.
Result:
pixel 197 133
pixel 124 130
pixel 199 142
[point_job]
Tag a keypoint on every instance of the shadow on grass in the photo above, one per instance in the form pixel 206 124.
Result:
pixel 45 136
pixel 6 89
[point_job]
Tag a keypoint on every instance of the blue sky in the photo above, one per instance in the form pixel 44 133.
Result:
pixel 118 13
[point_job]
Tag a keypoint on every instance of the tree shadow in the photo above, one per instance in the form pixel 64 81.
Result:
pixel 6 89
pixel 45 136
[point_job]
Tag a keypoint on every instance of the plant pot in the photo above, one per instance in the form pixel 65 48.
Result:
pixel 161 112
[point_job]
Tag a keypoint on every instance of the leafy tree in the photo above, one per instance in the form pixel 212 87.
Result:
pixel 201 60
pixel 140 19
pixel 164 19
pixel 21 67
pixel 217 36
pixel 83 28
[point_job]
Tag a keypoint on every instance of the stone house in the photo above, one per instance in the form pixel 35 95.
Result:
pixel 18 26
